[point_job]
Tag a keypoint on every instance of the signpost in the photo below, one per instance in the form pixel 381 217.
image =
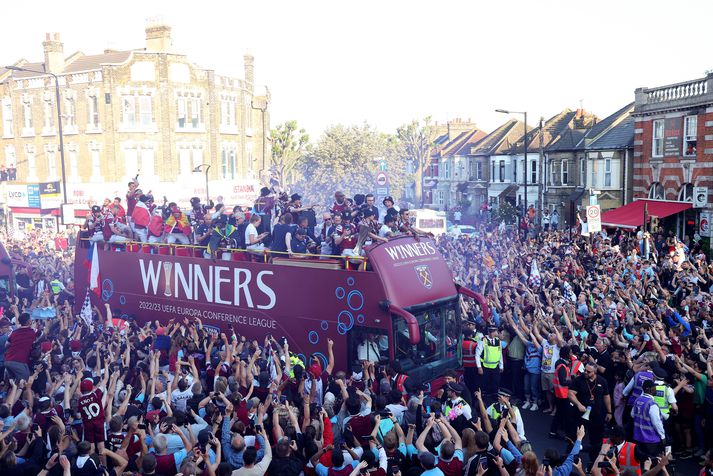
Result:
pixel 594 219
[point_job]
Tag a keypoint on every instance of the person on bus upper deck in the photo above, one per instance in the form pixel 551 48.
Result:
pixel 120 213
pixel 346 235
pixel 299 244
pixel 263 206
pixel 304 224
pixel 388 229
pixel 132 196
pixel 253 240
pixel 340 204
pixel 177 228
pixel 204 230
pixel 95 224
pixel 370 205
pixel 295 207
pixel 239 221
pixel 388 202
pixel 281 235
pixel 373 226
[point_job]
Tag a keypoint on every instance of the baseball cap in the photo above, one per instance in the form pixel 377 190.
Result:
pixel 427 460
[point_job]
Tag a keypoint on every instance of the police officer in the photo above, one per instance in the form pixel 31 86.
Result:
pixel 561 383
pixel 489 360
pixel 649 433
pixel 470 369
pixel 56 285
pixel 665 398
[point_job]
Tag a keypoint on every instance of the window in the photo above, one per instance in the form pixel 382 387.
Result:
pixel 181 106
pixel 607 172
pixel 137 111
pixel 533 171
pixel 48 109
pixel 227 112
pixel 195 111
pixel 502 170
pixel 145 107
pixel 51 164
pixel 69 113
pixel 148 165
pixel 131 162
pixel 27 116
pixel 492 171
pixel 656 191
pixel 248 113
pixel 31 164
pixel 447 169
pixel 7 118
pixel 436 348
pixel 184 161
pixel 564 171
pixel 73 164
pixel 582 172
pixel 96 164
pixel 227 163
pixel 92 112
pixel 690 127
pixel 479 170
pixel 553 175
pixel 657 138
pixel 440 197
pixel 10 159
pixel 686 193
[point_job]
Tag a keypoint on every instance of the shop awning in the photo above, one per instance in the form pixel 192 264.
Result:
pixel 632 215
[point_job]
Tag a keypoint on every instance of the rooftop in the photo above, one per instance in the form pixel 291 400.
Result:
pixel 672 97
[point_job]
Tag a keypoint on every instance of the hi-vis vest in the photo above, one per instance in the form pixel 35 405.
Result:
pixel 469 352
pixel 626 458
pixel 661 401
pixel 491 353
pixel 56 286
pixel 561 391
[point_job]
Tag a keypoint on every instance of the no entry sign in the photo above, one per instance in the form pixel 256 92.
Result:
pixel 381 179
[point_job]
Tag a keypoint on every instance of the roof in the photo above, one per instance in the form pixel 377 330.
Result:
pixel 568 140
pixel 609 121
pixel 621 136
pixel 502 137
pixel 461 144
pixel 553 128
pixel 73 64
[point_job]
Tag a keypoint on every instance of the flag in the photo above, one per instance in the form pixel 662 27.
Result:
pixel 535 279
pixel 94 276
pixel 86 312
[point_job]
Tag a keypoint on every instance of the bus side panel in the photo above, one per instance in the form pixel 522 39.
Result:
pixel 303 304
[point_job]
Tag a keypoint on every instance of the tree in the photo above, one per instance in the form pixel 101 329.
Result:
pixel 288 146
pixel 417 139
pixel 346 158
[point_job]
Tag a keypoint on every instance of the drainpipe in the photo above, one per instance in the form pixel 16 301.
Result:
pixel 626 177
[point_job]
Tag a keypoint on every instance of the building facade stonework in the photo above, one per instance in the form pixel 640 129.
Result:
pixel 147 112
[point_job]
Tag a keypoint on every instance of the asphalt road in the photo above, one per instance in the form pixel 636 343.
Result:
pixel 537 427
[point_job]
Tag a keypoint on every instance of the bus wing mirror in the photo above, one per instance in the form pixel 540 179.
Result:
pixel 414 332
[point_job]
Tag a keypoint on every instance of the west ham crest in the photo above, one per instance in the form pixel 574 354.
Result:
pixel 424 275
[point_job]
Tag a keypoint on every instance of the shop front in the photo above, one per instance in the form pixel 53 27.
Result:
pixel 34 205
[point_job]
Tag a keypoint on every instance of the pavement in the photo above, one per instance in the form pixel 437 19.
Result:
pixel 537 427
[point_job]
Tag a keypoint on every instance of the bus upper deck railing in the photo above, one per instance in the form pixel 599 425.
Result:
pixel 236 254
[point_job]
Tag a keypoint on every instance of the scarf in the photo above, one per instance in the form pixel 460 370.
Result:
pixel 182 223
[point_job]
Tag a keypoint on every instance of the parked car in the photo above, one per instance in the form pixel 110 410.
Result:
pixel 458 230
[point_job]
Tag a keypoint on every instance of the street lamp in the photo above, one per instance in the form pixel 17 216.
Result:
pixel 207 168
pixel 59 121
pixel 524 113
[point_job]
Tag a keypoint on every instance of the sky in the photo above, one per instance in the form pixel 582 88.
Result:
pixel 390 61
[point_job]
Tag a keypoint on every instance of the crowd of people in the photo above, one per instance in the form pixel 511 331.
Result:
pixel 277 224
pixel 608 336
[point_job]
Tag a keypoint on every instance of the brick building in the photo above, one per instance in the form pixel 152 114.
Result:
pixel 147 111
pixel 673 147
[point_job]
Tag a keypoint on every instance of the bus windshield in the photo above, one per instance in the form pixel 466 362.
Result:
pixel 438 346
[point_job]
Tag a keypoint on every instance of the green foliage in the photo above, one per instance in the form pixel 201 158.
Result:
pixel 507 213
pixel 289 145
pixel 417 140
pixel 346 158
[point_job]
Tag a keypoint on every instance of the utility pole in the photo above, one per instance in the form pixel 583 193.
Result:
pixel 542 177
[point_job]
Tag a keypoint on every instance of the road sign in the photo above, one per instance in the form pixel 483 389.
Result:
pixel 594 219
pixel 381 179
pixel 700 197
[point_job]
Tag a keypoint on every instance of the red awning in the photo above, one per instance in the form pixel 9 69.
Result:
pixel 632 215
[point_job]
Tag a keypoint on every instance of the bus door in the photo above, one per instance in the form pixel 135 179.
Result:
pixel 436 347
pixel 367 344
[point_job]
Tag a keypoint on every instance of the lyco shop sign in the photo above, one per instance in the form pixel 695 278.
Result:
pixel 23 196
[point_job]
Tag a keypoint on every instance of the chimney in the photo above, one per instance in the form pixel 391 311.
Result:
pixel 54 53
pixel 249 61
pixel 457 126
pixel 158 36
